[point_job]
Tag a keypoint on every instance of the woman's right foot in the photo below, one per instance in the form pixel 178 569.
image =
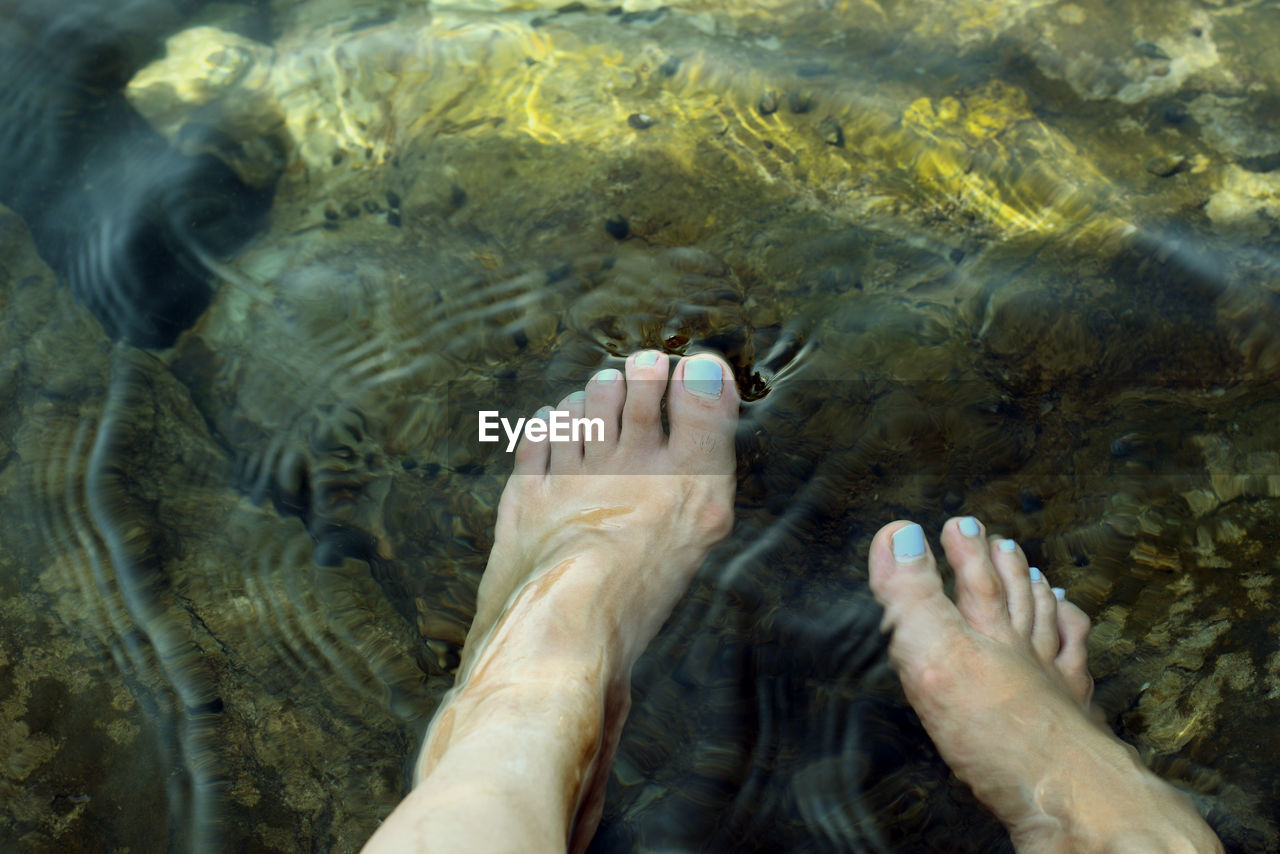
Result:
pixel 594 544
pixel 1000 680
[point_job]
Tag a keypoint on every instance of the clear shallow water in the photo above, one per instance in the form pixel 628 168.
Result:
pixel 1015 260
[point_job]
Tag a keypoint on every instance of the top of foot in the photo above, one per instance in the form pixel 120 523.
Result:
pixel 642 507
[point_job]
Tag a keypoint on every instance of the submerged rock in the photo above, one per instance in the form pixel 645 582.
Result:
pixel 1247 202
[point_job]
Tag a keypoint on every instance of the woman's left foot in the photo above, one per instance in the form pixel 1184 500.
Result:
pixel 1000 680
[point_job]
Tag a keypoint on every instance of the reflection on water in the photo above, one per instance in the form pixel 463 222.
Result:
pixel 260 265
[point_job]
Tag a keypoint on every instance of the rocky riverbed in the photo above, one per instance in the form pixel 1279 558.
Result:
pixel 1016 260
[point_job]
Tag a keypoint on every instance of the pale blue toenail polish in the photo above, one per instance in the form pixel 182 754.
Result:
pixel 609 375
pixel 1060 593
pixel 704 378
pixel 1036 574
pixel 647 358
pixel 969 526
pixel 908 543
pixel 578 397
pixel 543 414
pixel 1007 545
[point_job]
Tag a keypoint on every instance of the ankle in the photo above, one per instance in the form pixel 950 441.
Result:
pixel 1106 801
pixel 487 760
pixel 534 723
pixel 556 626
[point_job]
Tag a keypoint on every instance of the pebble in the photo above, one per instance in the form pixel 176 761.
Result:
pixel 558 274
pixel 1150 49
pixel 768 103
pixel 1126 445
pixel 617 227
pixel 813 69
pixel 1031 503
pixel 831 133
pixel 799 102
pixel 643 16
pixel 1175 114
pixel 1166 165
pixel 640 121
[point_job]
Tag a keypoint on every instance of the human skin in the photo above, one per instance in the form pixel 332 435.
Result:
pixel 594 544
pixel 1000 680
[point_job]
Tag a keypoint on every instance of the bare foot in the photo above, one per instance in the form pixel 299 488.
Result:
pixel 1001 683
pixel 595 543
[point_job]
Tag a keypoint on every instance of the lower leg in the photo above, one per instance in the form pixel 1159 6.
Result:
pixel 506 760
pixel 594 545
pixel 507 771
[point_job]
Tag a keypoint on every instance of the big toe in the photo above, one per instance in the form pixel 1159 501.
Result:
pixel 702 404
pixel 904 578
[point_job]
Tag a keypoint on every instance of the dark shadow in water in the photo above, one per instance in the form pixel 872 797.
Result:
pixel 125 221
pixel 120 216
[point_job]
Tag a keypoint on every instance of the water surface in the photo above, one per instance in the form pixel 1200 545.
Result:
pixel 261 264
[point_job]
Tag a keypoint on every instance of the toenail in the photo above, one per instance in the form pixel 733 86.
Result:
pixel 969 526
pixel 908 543
pixel 647 358
pixel 1036 574
pixel 704 378
pixel 1007 545
pixel 543 414
pixel 609 375
pixel 1060 593
pixel 578 397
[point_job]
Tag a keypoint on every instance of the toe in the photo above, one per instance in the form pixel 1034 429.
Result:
pixel 703 408
pixel 1073 654
pixel 1044 623
pixel 642 412
pixel 904 578
pixel 532 457
pixel 1011 566
pixel 565 440
pixel 980 596
pixel 605 395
